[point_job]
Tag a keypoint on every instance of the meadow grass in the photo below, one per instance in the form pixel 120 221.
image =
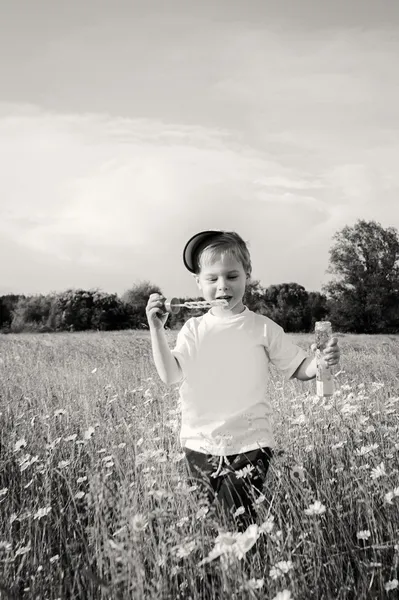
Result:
pixel 95 501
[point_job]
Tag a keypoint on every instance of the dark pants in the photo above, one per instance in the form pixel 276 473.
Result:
pixel 221 482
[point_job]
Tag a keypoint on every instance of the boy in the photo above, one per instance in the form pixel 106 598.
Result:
pixel 222 359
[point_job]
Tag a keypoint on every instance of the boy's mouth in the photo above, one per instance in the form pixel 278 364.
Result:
pixel 224 297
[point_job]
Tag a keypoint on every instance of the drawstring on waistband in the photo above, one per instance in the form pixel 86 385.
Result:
pixel 221 464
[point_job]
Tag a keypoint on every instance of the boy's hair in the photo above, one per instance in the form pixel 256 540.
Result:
pixel 226 242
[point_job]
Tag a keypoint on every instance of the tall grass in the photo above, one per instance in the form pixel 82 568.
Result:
pixel 94 496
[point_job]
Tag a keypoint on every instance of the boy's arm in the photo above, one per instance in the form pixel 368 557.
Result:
pixel 306 370
pixel 166 364
pixel 308 367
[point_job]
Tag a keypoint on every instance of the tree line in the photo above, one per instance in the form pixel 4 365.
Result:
pixel 362 297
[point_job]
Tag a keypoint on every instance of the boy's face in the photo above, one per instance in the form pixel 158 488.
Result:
pixel 224 278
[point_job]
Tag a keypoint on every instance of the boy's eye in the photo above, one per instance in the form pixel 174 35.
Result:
pixel 231 277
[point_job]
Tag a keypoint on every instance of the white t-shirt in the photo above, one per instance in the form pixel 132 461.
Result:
pixel 225 365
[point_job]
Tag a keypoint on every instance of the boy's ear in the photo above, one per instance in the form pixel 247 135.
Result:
pixel 196 277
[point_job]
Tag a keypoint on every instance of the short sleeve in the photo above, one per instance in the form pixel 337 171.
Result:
pixel 185 346
pixel 283 353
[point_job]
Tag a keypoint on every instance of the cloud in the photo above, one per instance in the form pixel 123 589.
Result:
pixel 100 198
pixel 79 186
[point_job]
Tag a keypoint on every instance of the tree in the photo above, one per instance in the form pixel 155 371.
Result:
pixel 363 297
pixel 76 308
pixel 109 312
pixel 254 297
pixel 136 299
pixel 287 304
pixel 317 307
pixel 7 305
pixel 31 313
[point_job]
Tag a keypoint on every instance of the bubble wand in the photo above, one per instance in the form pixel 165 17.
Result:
pixel 324 378
pixel 174 305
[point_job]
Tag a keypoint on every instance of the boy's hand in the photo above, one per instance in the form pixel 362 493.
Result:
pixel 331 352
pixel 155 311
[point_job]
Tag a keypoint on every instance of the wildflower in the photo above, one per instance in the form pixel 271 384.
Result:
pixel 349 409
pixel 60 411
pixel 79 495
pixel 88 433
pixel 284 595
pixel 139 522
pixel 230 546
pixel 391 585
pixel 315 509
pixel 268 525
pixel 377 385
pixel 241 473
pixel 300 420
pixel 364 467
pixel 366 449
pixel 185 549
pixel 298 473
pixel 280 568
pixel 378 471
pixel 26 461
pixel 252 584
pixel 3 492
pixel 42 512
pixel 224 545
pixel 71 438
pixel 363 535
pixel 238 512
pixel 182 521
pixel 260 499
pixel 391 495
pixel 338 445
pixel 5 546
pixel 81 479
pixel 246 540
pixel 63 463
pixel 19 444
pixel 54 558
pixel 202 512
pixel 94 370
pixel 107 458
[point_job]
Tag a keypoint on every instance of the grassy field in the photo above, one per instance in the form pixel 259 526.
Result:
pixel 94 497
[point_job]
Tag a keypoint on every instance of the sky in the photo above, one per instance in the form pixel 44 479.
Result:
pixel 127 127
